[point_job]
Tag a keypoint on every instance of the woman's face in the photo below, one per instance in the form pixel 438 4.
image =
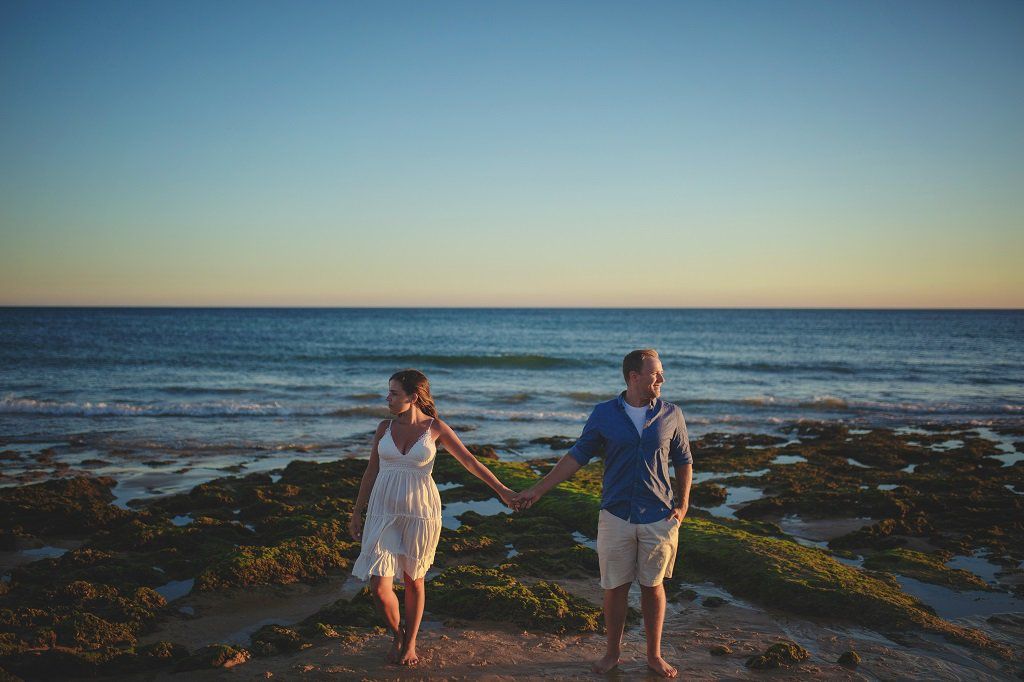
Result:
pixel 398 400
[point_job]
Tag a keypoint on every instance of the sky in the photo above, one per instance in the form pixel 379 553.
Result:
pixel 657 154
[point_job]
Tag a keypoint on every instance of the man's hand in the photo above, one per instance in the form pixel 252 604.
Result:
pixel 679 513
pixel 355 526
pixel 525 499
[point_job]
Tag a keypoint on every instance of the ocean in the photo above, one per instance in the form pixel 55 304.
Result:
pixel 236 381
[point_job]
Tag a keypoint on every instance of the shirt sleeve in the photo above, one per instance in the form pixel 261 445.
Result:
pixel 590 443
pixel 679 448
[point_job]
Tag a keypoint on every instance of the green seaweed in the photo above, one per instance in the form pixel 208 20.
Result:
pixel 475 593
pixel 68 506
pixel 785 575
pixel 575 561
pixel 299 559
pixel 928 568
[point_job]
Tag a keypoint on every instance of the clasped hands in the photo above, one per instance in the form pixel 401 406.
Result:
pixel 520 501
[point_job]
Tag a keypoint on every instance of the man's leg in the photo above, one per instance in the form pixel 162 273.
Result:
pixel 616 605
pixel 652 605
pixel 658 542
pixel 387 604
pixel 616 554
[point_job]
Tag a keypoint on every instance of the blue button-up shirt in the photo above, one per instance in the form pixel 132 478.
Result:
pixel 637 487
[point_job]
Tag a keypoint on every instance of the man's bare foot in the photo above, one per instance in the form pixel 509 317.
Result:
pixel 396 647
pixel 661 666
pixel 605 664
pixel 409 656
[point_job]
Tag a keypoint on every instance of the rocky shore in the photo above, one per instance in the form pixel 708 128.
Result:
pixel 855 554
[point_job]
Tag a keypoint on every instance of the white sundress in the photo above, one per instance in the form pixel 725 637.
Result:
pixel 403 518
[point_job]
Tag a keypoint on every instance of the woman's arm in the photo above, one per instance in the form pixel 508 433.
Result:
pixel 452 444
pixel 355 524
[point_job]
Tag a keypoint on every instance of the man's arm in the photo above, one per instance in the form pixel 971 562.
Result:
pixel 682 463
pixel 563 471
pixel 589 444
pixel 681 488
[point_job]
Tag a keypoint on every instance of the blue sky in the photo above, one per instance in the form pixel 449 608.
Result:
pixel 668 154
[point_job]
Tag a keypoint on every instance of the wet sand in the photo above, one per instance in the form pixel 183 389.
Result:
pixel 495 651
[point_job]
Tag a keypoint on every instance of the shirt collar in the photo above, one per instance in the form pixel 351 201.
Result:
pixel 622 402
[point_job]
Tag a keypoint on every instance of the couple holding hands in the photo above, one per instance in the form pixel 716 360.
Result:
pixel 643 441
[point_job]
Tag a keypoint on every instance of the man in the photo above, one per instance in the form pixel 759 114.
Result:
pixel 639 435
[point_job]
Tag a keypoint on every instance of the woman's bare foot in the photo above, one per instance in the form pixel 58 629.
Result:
pixel 409 656
pixel 396 646
pixel 605 664
pixel 661 666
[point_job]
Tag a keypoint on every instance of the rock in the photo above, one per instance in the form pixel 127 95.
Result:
pixel 720 650
pixel 576 561
pixel 714 602
pixel 300 559
pixel 214 656
pixel 778 655
pixel 555 442
pixel 476 593
pixel 275 639
pixel 61 507
pixel 708 495
pixel 483 452
pixel 163 651
pixel 929 568
pixel 851 659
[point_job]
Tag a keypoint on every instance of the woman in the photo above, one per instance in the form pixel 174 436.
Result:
pixel 403 522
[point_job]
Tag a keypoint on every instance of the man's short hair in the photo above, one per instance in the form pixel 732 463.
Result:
pixel 634 361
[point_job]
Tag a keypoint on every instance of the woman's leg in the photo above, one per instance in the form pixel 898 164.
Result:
pixel 387 604
pixel 414 600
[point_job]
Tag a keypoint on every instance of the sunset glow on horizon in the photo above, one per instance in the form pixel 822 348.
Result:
pixel 526 154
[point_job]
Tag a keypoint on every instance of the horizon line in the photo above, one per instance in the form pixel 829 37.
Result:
pixel 501 307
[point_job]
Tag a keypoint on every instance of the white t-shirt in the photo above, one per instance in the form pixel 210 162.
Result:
pixel 638 415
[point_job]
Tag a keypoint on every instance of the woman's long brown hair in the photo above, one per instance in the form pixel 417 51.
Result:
pixel 414 382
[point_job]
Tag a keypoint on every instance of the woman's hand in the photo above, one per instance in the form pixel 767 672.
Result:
pixel 525 499
pixel 355 526
pixel 507 495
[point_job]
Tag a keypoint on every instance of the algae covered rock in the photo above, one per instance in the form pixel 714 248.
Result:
pixel 708 494
pixel 275 639
pixel 785 575
pixel 720 650
pixel 475 593
pixel 61 506
pixel 163 651
pixel 302 558
pixel 576 561
pixel 555 442
pixel 88 631
pixel 214 656
pixel 925 567
pixel 778 655
pixel 358 611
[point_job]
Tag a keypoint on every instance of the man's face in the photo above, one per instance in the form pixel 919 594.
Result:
pixel 649 380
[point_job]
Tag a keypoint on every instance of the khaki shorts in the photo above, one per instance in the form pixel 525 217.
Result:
pixel 644 552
